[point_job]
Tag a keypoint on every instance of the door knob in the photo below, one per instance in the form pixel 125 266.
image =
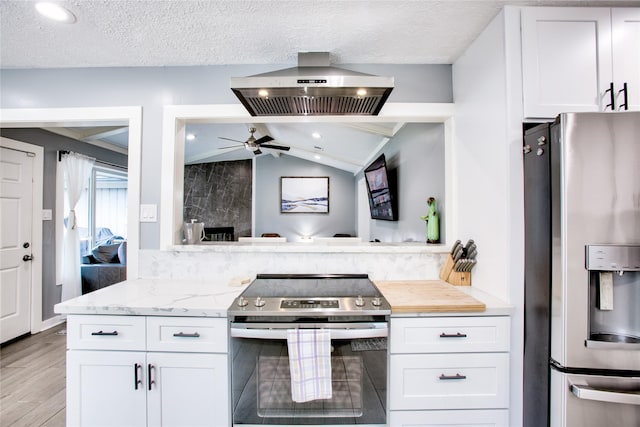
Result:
pixel 27 258
pixel 25 245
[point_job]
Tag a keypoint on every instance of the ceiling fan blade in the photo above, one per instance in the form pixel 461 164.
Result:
pixel 231 146
pixel 256 152
pixel 262 140
pixel 276 147
pixel 229 139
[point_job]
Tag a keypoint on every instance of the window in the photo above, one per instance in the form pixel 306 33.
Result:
pixel 101 213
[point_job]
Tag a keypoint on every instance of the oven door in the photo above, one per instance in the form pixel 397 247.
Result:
pixel 261 382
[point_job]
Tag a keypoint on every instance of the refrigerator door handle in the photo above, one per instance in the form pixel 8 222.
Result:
pixel 591 393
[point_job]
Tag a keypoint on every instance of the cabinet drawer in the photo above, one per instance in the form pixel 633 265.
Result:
pixel 189 334
pixel 449 381
pixel 105 332
pixel 477 418
pixel 449 334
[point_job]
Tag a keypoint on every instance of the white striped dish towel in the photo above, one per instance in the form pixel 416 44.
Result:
pixel 310 364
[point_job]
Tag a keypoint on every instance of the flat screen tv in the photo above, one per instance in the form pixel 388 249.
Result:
pixel 381 186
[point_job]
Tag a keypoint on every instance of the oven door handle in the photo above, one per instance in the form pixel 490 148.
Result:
pixel 336 334
pixel 590 393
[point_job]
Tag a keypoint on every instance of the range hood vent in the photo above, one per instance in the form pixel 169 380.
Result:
pixel 312 88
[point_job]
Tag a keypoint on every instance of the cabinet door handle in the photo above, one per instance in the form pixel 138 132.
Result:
pixel 150 367
pixel 183 335
pixel 612 98
pixel 452 377
pixel 100 333
pixel 456 335
pixel 137 379
pixel 625 103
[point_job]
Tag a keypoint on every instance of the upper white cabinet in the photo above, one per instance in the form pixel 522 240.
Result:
pixel 578 59
pixel 625 31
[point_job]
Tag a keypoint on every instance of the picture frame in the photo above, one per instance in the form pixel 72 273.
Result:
pixel 304 194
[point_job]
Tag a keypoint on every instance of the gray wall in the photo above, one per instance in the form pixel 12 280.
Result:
pixel 153 88
pixel 51 144
pixel 417 155
pixel 342 199
pixel 219 194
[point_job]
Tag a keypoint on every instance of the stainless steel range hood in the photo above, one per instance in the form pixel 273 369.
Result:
pixel 314 87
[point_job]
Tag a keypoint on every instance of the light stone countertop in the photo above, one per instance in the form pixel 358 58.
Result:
pixel 207 298
pixel 156 297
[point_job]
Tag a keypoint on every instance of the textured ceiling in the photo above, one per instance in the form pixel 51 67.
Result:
pixel 111 33
pixel 121 33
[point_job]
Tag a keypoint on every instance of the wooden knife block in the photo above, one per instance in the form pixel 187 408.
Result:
pixel 458 278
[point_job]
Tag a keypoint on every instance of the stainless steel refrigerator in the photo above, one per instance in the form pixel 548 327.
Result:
pixel 582 271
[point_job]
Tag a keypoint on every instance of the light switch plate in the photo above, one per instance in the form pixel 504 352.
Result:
pixel 47 214
pixel 148 213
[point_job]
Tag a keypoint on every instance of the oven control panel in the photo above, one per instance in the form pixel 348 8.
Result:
pixel 309 303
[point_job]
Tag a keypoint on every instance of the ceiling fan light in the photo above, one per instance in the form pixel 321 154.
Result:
pixel 55 12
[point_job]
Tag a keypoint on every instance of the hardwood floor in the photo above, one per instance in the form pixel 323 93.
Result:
pixel 32 380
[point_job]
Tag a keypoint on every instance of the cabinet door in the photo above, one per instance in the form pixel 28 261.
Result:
pixel 188 390
pixel 625 26
pixel 102 388
pixel 566 60
pixel 464 418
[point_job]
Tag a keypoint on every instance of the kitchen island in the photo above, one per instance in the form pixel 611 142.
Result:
pixel 152 347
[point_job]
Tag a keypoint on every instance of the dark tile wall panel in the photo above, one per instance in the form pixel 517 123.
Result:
pixel 219 194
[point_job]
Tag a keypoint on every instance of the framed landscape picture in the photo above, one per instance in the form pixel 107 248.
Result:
pixel 304 194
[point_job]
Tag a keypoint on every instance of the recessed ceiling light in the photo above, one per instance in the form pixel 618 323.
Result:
pixel 316 135
pixel 317 157
pixel 190 137
pixel 55 12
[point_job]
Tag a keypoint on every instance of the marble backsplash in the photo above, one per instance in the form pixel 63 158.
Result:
pixel 226 265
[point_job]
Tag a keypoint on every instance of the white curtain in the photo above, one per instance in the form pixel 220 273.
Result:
pixel 77 171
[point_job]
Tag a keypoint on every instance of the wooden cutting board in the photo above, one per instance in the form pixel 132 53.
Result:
pixel 417 296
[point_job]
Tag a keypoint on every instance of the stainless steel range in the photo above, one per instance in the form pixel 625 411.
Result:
pixel 356 315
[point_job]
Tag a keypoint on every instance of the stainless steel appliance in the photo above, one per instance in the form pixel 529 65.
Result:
pixel 357 316
pixel 582 271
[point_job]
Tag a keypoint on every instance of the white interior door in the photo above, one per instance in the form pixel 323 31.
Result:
pixel 16 195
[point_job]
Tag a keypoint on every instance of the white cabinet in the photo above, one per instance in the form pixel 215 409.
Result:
pixel 187 390
pixel 458 365
pixel 471 418
pixel 577 59
pixel 625 36
pixel 104 388
pixel 184 383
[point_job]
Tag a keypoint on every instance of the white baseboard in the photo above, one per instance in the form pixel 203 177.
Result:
pixel 50 323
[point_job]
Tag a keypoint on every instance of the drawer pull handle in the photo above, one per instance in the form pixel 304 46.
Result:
pixel 183 335
pixel 453 377
pixel 100 333
pixel 456 335
pixel 137 380
pixel 150 368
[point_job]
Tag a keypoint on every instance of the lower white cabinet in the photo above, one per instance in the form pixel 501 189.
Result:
pixel 470 418
pixel 185 390
pixel 102 388
pixel 119 387
pixel 449 371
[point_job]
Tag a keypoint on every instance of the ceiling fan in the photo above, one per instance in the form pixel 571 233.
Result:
pixel 253 144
